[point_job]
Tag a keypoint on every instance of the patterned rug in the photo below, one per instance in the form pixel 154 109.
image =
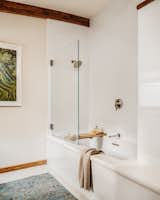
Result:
pixel 41 187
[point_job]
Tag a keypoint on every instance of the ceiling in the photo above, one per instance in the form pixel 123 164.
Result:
pixel 85 8
pixel 139 1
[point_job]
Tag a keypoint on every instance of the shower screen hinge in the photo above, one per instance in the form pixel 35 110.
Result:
pixel 51 63
pixel 51 126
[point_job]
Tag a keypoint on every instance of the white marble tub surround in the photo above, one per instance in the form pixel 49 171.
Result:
pixel 126 149
pixel 113 177
pixel 143 174
pixel 63 161
pixel 110 185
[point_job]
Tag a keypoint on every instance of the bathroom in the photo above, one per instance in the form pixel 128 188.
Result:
pixel 77 77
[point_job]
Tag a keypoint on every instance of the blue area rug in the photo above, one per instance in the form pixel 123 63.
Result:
pixel 41 187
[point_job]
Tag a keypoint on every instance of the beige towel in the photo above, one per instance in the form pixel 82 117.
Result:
pixel 85 169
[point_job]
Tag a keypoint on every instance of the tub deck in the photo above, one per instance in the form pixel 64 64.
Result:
pixel 109 173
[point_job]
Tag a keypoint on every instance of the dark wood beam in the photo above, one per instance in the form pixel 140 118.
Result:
pixel 144 3
pixel 34 11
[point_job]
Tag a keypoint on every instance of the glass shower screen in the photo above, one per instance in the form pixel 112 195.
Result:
pixel 65 89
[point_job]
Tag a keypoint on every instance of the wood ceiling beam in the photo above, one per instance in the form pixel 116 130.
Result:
pixel 34 11
pixel 144 3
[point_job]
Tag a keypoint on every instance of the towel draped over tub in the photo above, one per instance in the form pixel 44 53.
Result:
pixel 85 168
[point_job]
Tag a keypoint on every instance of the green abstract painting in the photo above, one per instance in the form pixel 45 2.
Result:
pixel 8 74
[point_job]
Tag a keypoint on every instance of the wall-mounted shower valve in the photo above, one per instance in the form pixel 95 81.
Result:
pixel 118 103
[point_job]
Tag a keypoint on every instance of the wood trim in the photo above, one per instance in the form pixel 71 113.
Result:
pixel 91 135
pixel 23 166
pixel 39 12
pixel 144 3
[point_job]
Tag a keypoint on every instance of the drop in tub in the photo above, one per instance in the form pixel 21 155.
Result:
pixel 113 178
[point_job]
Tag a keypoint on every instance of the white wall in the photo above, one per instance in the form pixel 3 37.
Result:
pixel 113 72
pixel 113 68
pixel 23 129
pixel 62 48
pixel 149 83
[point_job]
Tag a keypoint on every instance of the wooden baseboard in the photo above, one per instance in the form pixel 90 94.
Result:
pixel 23 166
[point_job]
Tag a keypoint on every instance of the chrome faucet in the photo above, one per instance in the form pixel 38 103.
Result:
pixel 118 135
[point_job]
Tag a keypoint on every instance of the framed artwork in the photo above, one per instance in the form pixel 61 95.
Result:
pixel 10 75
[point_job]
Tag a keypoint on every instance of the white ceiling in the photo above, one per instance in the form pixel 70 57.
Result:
pixel 139 1
pixel 85 8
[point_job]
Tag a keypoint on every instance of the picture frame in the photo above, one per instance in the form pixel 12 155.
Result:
pixel 10 75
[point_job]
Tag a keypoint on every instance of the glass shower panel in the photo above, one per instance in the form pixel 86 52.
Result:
pixel 68 99
pixel 65 89
pixel 83 75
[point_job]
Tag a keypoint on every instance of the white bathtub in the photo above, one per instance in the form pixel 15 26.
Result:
pixel 113 178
